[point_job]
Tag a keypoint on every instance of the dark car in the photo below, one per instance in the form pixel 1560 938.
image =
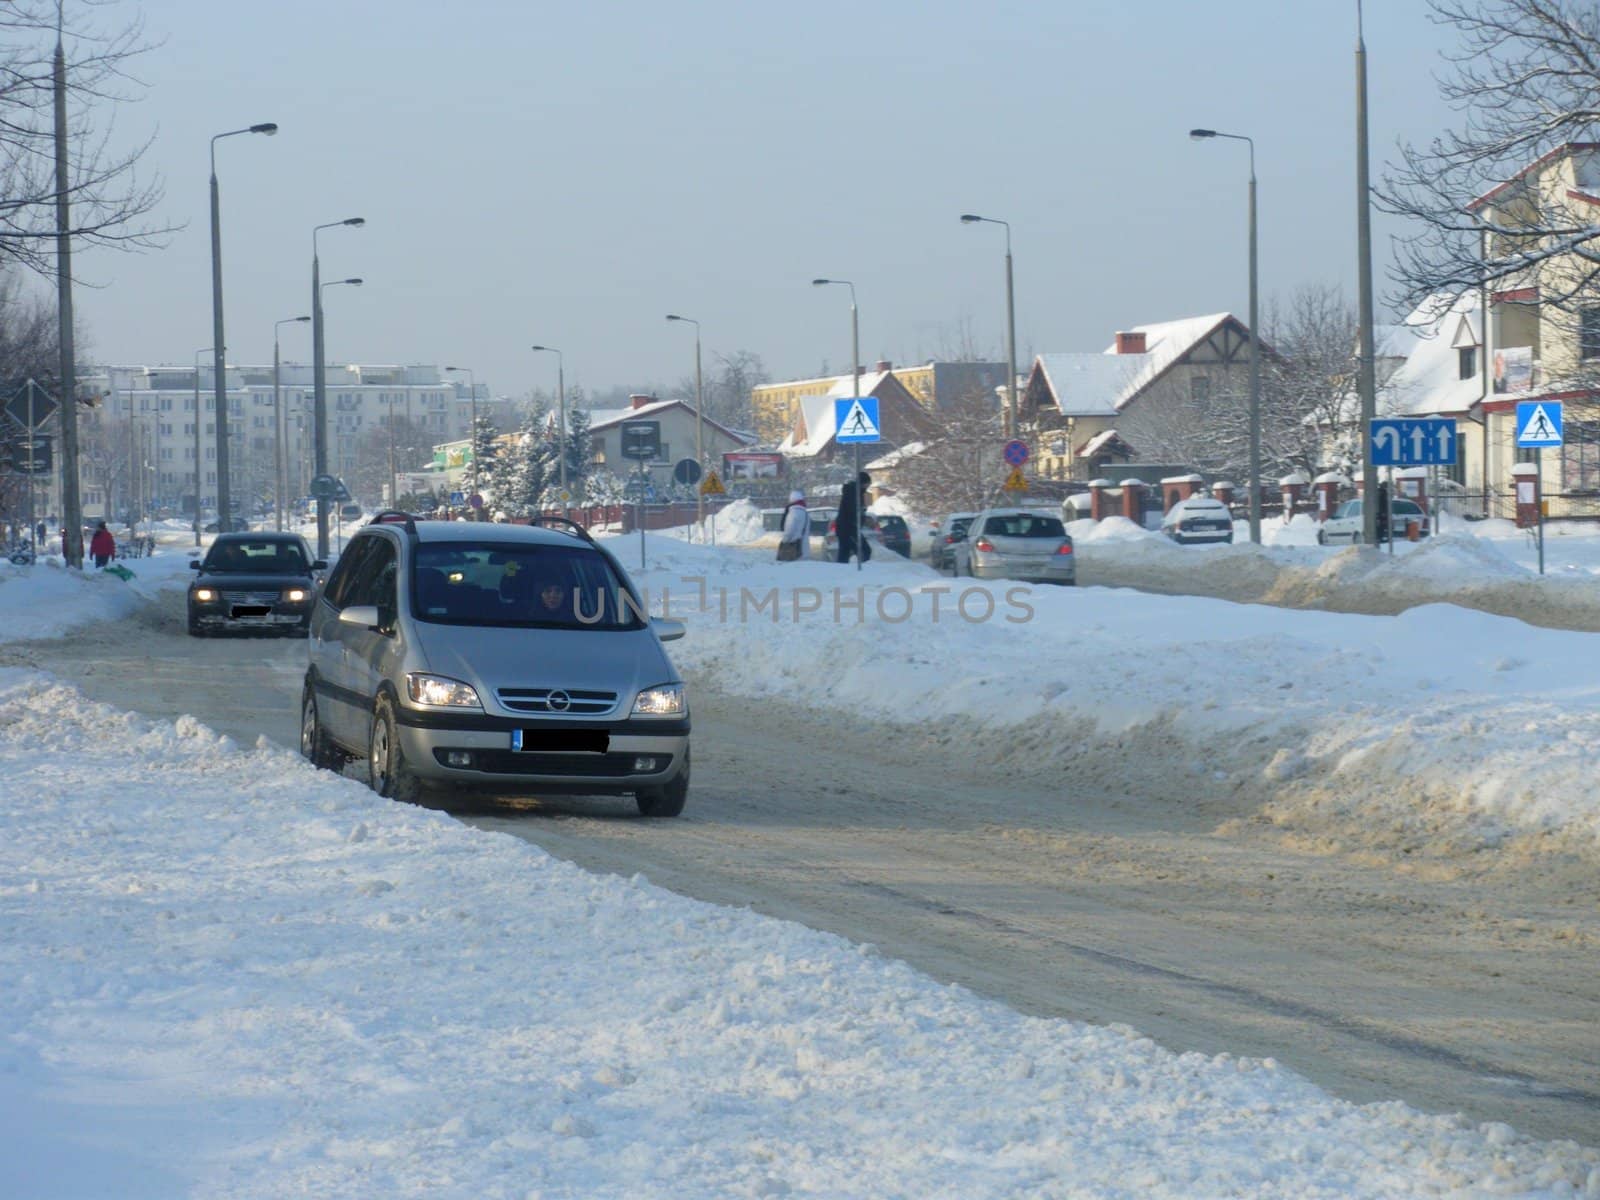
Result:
pixel 896 535
pixel 951 530
pixel 254 582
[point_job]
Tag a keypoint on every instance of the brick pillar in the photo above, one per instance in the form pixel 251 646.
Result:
pixel 1178 489
pixel 1099 502
pixel 1133 500
pixel 1223 491
pixel 1325 493
pixel 1294 492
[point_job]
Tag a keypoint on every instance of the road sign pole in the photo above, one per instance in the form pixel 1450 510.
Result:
pixel 638 508
pixel 861 503
pixel 1538 493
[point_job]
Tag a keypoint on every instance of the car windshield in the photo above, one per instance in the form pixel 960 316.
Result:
pixel 1407 508
pixel 1025 525
pixel 522 586
pixel 264 557
pixel 892 524
pixel 959 526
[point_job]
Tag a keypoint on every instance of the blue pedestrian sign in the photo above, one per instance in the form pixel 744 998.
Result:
pixel 1414 442
pixel 1538 423
pixel 457 499
pixel 855 419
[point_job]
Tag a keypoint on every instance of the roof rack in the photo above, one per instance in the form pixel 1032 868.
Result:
pixel 393 516
pixel 568 525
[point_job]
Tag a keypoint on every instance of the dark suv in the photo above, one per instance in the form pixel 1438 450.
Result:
pixel 895 534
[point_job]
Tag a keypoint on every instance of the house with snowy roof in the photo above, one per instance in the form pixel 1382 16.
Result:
pixel 901 418
pixel 678 435
pixel 1084 413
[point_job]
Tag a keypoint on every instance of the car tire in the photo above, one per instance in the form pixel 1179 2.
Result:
pixel 316 747
pixel 1322 538
pixel 665 801
pixel 388 772
pixel 1355 539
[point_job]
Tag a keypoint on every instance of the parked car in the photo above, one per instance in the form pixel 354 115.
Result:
pixel 254 583
pixel 1198 520
pixel 1016 543
pixel 1346 523
pixel 516 659
pixel 950 531
pixel 869 533
pixel 896 534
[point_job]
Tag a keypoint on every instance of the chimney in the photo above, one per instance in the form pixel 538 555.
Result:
pixel 883 364
pixel 638 401
pixel 1130 343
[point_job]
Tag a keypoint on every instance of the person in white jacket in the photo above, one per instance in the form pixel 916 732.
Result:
pixel 795 540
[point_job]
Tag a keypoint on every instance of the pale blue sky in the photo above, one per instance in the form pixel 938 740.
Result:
pixel 569 173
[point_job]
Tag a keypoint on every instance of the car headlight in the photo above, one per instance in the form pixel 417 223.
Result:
pixel 439 692
pixel 295 595
pixel 205 595
pixel 664 701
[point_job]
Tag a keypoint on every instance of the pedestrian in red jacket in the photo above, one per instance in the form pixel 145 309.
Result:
pixel 102 546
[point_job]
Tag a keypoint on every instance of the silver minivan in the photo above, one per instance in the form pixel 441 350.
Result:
pixel 514 659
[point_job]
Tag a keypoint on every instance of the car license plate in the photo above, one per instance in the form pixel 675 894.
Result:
pixel 562 741
pixel 250 610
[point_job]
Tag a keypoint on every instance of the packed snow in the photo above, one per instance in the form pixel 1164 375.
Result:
pixel 229 974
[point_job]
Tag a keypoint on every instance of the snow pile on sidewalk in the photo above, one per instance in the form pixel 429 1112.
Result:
pixel 46 599
pixel 228 974
pixel 1442 729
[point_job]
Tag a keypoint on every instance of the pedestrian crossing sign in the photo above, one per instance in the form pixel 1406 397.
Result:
pixel 1539 423
pixel 712 486
pixel 855 419
pixel 1015 482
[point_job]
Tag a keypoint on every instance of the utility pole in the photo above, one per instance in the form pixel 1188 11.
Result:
pixel 71 501
pixel 1367 382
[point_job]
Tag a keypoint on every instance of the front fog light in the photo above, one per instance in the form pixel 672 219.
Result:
pixel 440 692
pixel 458 758
pixel 664 701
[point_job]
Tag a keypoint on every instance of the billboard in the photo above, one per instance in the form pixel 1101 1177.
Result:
pixel 1513 369
pixel 752 464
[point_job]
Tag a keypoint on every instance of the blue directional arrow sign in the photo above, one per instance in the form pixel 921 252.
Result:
pixel 855 419
pixel 1414 442
pixel 1539 423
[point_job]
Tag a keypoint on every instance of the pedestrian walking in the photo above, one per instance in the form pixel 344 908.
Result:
pixel 852 503
pixel 102 546
pixel 795 540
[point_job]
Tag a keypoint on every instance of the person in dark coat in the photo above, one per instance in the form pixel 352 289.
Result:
pixel 102 546
pixel 852 502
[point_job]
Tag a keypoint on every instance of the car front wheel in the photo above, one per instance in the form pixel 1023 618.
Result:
pixel 387 769
pixel 665 801
pixel 315 745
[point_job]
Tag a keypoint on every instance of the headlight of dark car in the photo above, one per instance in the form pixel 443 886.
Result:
pixel 296 595
pixel 204 595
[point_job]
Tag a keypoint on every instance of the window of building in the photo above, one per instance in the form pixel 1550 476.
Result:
pixel 1466 362
pixel 1580 456
pixel 1589 334
pixel 1199 388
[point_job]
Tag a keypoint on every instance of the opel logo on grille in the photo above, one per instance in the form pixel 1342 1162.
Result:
pixel 558 701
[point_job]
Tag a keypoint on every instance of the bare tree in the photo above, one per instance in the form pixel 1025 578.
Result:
pixel 1526 79
pixel 727 387
pixel 959 466
pixel 109 202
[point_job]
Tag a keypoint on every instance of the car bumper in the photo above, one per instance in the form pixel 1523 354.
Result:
pixel 1199 538
pixel 216 617
pixel 1031 570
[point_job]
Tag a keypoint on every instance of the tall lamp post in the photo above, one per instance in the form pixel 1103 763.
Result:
pixel 1366 376
pixel 561 404
pixel 197 426
pixel 855 390
pixel 1011 325
pixel 699 420
pixel 219 343
pixel 278 432
pixel 472 438
pixel 1255 339
pixel 319 427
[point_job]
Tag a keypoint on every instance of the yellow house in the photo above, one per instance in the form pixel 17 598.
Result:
pixel 934 385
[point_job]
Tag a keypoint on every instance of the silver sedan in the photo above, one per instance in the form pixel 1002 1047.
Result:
pixel 1016 543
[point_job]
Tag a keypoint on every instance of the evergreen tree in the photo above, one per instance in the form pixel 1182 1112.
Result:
pixel 485 447
pixel 577 450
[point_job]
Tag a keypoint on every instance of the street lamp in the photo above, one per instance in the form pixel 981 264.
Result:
pixel 699 419
pixel 472 439
pixel 1011 325
pixel 219 342
pixel 855 390
pixel 1255 339
pixel 197 424
pixel 278 432
pixel 561 392
pixel 319 432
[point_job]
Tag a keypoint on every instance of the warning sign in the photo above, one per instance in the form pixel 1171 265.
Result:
pixel 712 486
pixel 1015 481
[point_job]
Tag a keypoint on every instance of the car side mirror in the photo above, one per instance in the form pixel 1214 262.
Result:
pixel 194 564
pixel 362 616
pixel 667 629
pixel 320 565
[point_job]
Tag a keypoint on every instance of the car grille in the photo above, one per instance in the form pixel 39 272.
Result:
pixel 267 598
pixel 576 703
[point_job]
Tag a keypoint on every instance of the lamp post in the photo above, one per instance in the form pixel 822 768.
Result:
pixel 278 432
pixel 1255 343
pixel 219 343
pixel 319 428
pixel 561 403
pixel 855 390
pixel 197 425
pixel 1366 376
pixel 472 438
pixel 699 420
pixel 1011 325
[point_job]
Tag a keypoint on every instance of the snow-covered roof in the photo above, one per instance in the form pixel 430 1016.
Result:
pixel 1098 385
pixel 1097 443
pixel 895 457
pixel 817 414
pixel 604 418
pixel 1429 381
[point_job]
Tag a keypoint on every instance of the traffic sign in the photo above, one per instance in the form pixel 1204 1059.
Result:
pixel 475 500
pixel 641 440
pixel 323 487
pixel 1016 482
pixel 1414 442
pixel 341 493
pixel 1016 452
pixel 687 471
pixel 1539 423
pixel 855 420
pixel 457 499
pixel 31 455
pixel 712 486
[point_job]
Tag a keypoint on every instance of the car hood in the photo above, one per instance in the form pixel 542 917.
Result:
pixel 249 581
pixel 621 661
